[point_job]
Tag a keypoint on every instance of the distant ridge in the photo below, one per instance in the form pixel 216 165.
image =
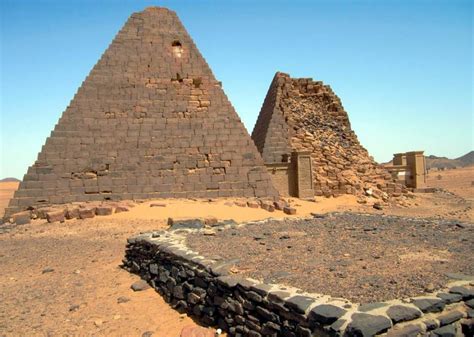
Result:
pixel 467 159
pixel 9 180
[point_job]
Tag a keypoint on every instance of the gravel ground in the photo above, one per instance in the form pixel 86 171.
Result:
pixel 364 258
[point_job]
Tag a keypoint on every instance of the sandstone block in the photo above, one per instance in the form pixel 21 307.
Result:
pixel 55 216
pixel 104 210
pixel 87 213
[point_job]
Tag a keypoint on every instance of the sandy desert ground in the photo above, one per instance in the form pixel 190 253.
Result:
pixel 459 181
pixel 81 296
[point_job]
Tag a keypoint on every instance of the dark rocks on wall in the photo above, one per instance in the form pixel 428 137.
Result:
pixel 149 121
pixel 209 291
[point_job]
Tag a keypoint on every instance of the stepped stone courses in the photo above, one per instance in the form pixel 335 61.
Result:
pixel 306 116
pixel 149 121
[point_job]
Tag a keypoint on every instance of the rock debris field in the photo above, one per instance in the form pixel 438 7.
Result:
pixel 363 258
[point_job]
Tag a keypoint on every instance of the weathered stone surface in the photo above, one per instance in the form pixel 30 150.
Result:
pixel 86 213
pixel 449 298
pixel 157 204
pixel 176 223
pixel 268 206
pixel 104 210
pixel 410 330
pixel 55 216
pixel 302 115
pixel 289 210
pixel 22 218
pixel 149 121
pixel 300 303
pixel 445 331
pixel 121 208
pixel 326 313
pixel 465 292
pixel 367 325
pixel 450 317
pixel 429 304
pixel 72 213
pixel 470 303
pixel 140 285
pixel 401 313
pixel 253 204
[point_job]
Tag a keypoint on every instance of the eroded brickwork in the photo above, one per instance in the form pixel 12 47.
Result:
pixel 149 121
pixel 306 115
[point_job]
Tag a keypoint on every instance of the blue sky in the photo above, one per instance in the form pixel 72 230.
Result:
pixel 403 69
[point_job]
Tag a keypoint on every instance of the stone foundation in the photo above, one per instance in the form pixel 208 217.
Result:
pixel 207 290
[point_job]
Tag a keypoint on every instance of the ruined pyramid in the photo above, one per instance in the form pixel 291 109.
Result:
pixel 306 115
pixel 149 121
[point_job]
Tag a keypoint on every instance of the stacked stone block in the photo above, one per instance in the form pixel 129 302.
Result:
pixel 149 121
pixel 208 290
pixel 306 115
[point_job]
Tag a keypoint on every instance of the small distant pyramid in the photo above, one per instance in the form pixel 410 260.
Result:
pixel 300 114
pixel 149 121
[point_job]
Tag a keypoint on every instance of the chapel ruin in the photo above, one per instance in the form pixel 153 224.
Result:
pixel 302 118
pixel 149 121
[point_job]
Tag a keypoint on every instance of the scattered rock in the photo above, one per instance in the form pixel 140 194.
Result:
pixel 147 334
pixel 268 206
pixel 253 204
pixel 185 223
pixel 429 304
pixel 22 218
pixel 300 303
pixel 140 285
pixel 123 299
pixel 367 325
pixel 410 330
pixel 157 205
pixel 55 216
pixel 289 210
pixel 450 317
pixel 86 213
pixel 401 313
pixel 120 209
pixel 279 205
pixel 74 307
pixel 466 293
pixel 210 221
pixel 378 206
pixel 48 270
pixel 208 232
pixel 445 331
pixel 72 213
pixel 326 313
pixel 98 322
pixel 104 210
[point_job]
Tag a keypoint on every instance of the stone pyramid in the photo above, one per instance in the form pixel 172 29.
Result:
pixel 306 115
pixel 149 121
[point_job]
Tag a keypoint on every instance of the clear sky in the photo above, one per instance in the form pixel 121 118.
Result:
pixel 403 69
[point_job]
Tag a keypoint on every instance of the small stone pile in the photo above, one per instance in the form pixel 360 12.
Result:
pixel 306 115
pixel 60 213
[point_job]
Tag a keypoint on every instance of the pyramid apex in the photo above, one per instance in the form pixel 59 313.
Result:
pixel 157 9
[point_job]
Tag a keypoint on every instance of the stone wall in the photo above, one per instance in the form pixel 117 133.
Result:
pixel 306 115
pixel 207 290
pixel 149 121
